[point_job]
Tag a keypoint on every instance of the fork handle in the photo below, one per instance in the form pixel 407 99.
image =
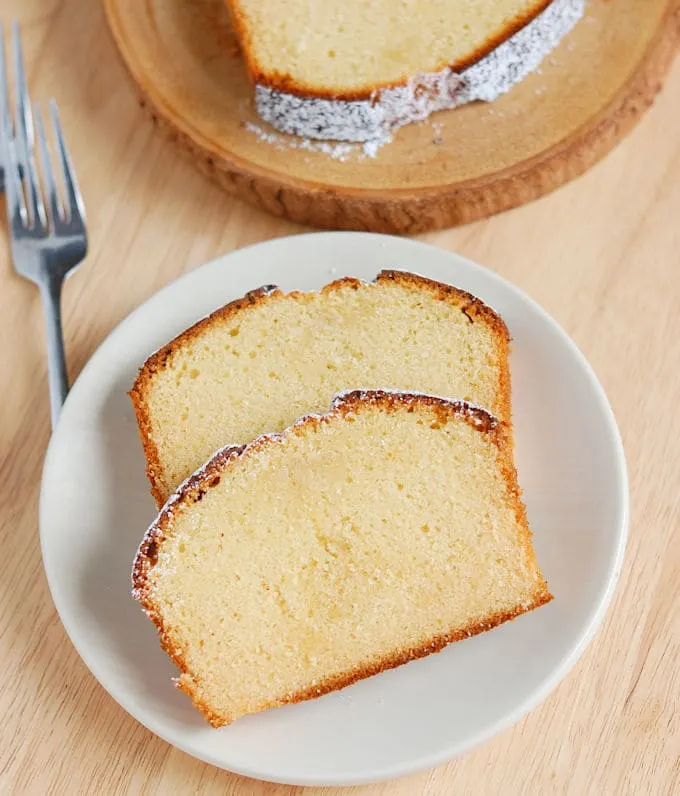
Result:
pixel 50 290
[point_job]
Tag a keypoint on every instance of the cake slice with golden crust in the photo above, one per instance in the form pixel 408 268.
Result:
pixel 262 361
pixel 348 544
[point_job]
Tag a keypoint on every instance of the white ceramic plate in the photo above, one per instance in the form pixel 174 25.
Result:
pixel 95 506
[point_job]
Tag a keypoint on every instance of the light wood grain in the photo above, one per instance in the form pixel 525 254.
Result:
pixel 602 255
pixel 549 129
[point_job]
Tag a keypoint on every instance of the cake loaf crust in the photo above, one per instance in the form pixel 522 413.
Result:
pixel 344 409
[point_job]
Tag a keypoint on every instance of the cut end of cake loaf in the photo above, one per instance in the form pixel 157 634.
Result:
pixel 357 71
pixel 348 544
pixel 344 50
pixel 262 361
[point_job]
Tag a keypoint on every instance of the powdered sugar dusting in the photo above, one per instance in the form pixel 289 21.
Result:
pixel 337 151
pixel 371 121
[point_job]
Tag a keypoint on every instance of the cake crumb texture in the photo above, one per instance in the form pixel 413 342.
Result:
pixel 348 544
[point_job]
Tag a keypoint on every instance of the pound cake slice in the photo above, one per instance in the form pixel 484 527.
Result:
pixel 348 544
pixel 262 361
pixel 354 70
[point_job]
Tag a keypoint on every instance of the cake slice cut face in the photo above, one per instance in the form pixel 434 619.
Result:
pixel 348 48
pixel 350 543
pixel 259 363
pixel 354 70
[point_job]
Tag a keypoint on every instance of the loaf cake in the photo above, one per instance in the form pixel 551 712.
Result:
pixel 259 363
pixel 348 544
pixel 354 71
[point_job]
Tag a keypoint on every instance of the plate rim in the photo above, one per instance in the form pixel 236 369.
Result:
pixel 596 614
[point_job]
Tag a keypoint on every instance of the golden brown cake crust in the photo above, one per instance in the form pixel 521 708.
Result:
pixel 282 81
pixel 472 307
pixel 193 489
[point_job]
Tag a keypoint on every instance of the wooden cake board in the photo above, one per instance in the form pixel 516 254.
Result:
pixel 456 167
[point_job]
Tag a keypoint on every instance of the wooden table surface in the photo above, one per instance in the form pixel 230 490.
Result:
pixel 602 255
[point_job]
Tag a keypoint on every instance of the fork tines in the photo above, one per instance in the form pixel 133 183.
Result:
pixel 25 206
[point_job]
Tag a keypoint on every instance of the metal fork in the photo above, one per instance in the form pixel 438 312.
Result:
pixel 47 243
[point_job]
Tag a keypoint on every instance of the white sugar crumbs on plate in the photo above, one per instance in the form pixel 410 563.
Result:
pixel 438 137
pixel 340 151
